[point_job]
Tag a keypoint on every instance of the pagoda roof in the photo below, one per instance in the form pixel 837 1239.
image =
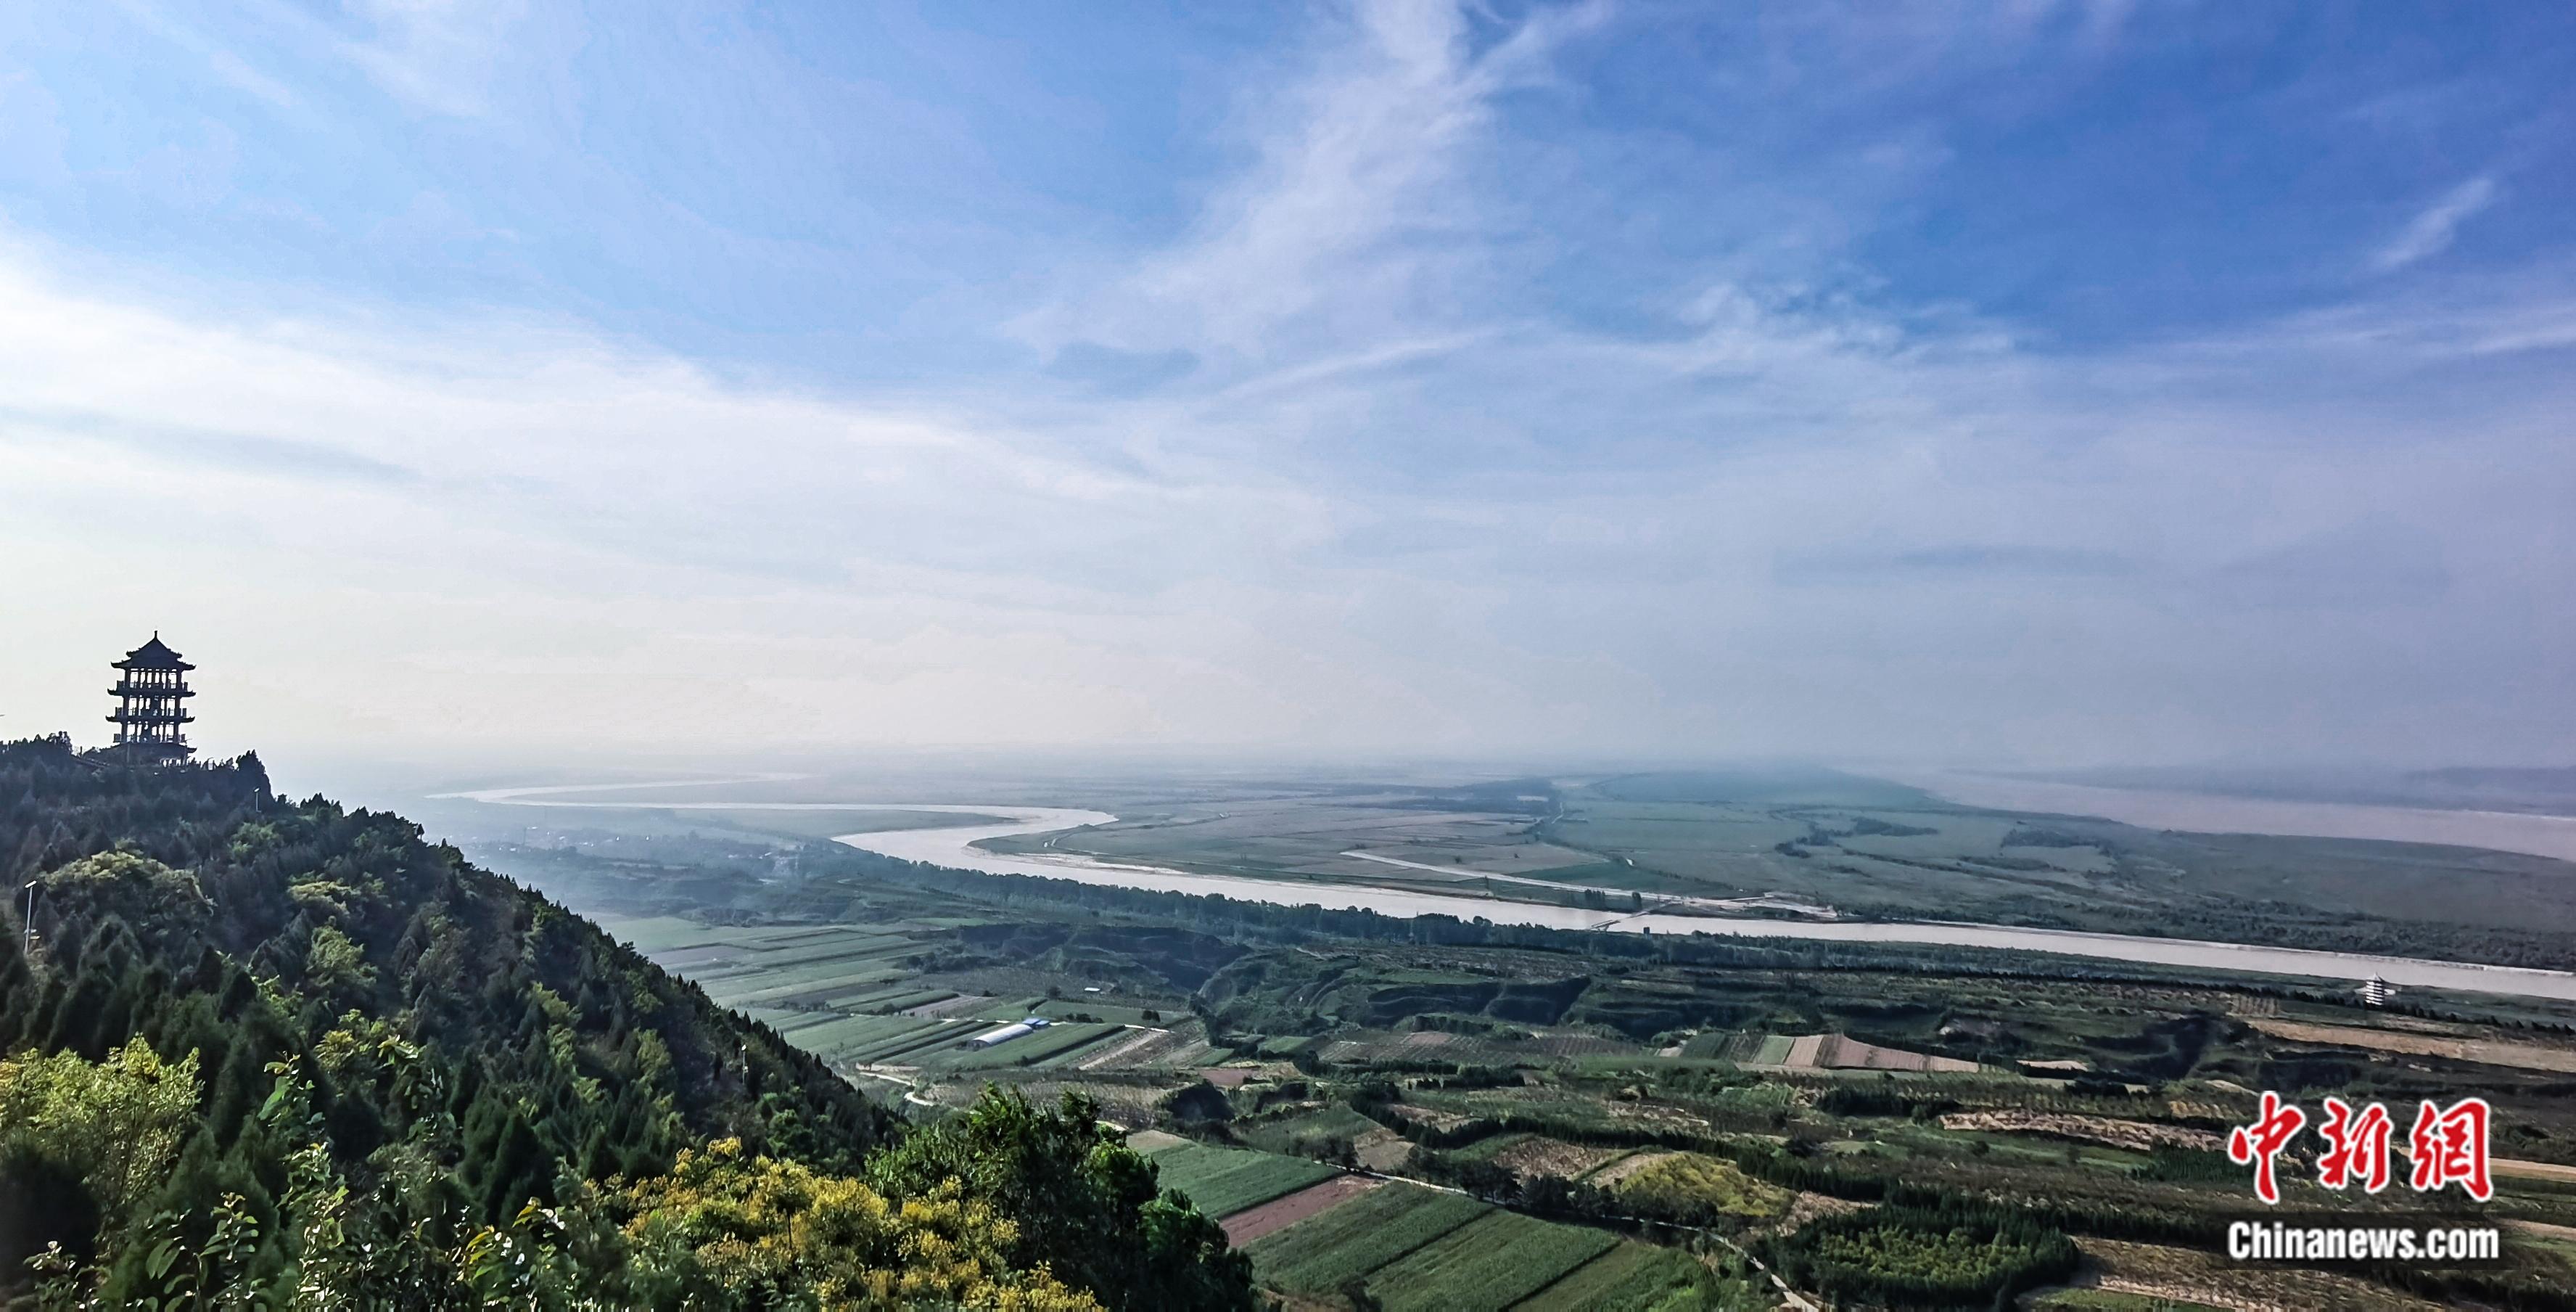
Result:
pixel 153 655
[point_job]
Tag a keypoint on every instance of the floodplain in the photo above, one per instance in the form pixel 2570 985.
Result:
pixel 1390 1112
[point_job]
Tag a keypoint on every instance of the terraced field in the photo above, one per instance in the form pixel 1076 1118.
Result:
pixel 1630 1276
pixel 1318 1255
pixel 1495 1260
pixel 853 996
pixel 846 994
pixel 1413 1247
pixel 1223 1181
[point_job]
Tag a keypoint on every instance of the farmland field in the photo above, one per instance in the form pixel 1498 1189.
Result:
pixel 1632 1275
pixel 1288 1209
pixel 1327 1123
pixel 1055 1041
pixel 1516 1062
pixel 1223 1181
pixel 1318 1255
pixel 1493 1261
pixel 830 989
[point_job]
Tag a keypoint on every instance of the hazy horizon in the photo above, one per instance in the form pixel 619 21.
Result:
pixel 498 386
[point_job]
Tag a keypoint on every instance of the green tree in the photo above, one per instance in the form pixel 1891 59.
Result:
pixel 1087 1204
pixel 82 1143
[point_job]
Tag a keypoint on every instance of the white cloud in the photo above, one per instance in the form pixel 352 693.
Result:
pixel 1363 210
pixel 227 66
pixel 437 54
pixel 491 537
pixel 2431 232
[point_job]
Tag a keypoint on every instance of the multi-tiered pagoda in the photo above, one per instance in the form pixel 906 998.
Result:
pixel 152 705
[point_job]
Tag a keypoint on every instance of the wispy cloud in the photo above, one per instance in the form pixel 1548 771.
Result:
pixel 2431 232
pixel 1983 561
pixel 228 66
pixel 1363 208
pixel 437 54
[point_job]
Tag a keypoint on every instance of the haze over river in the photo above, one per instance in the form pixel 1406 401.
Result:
pixel 2207 813
pixel 957 848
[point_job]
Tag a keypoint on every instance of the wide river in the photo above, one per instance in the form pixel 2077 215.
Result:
pixel 956 847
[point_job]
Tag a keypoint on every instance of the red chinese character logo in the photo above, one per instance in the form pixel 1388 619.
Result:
pixel 2356 1147
pixel 2449 1146
pixel 2257 1144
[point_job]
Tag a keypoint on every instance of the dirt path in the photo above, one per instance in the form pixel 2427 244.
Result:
pixel 2491 1052
pixel 2533 1170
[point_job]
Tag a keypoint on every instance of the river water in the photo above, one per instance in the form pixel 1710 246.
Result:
pixel 957 848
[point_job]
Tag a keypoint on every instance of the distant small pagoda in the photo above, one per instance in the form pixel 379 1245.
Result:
pixel 152 705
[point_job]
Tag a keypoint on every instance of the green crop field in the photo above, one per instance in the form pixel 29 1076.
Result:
pixel 910 1047
pixel 654 935
pixel 1492 1146
pixel 852 1034
pixel 1030 1050
pixel 895 997
pixel 761 968
pixel 1771 1051
pixel 825 946
pixel 757 970
pixel 1105 1037
pixel 1495 1260
pixel 1223 1181
pixel 1089 1005
pixel 1317 1255
pixel 759 990
pixel 1631 1275
pixel 1330 1122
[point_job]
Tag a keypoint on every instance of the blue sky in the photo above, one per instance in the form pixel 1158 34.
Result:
pixel 2029 383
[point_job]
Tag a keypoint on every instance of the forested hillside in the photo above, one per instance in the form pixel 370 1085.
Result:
pixel 270 1053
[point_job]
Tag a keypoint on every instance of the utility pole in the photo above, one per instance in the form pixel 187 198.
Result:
pixel 27 939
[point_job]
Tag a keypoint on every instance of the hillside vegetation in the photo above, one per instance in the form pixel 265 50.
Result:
pixel 287 1054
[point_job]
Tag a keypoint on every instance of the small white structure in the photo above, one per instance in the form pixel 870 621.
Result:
pixel 2375 992
pixel 994 1038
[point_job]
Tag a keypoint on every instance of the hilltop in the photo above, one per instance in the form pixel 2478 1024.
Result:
pixel 286 1053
